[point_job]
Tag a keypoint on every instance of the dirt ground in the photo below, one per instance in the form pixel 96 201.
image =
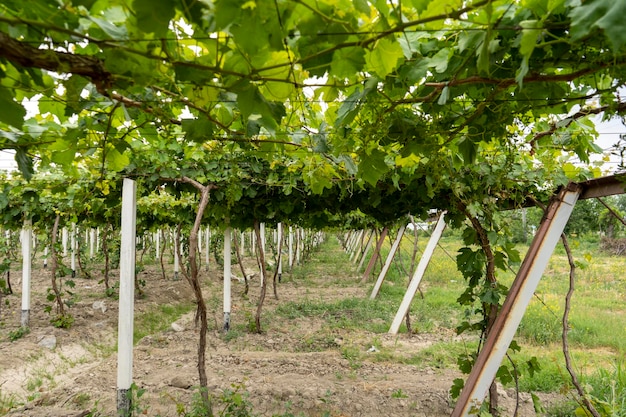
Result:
pixel 277 370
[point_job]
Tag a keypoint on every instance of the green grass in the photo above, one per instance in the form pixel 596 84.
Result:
pixel 440 355
pixel 158 319
pixel 348 314
pixel 8 402
pixel 597 321
pixel 608 389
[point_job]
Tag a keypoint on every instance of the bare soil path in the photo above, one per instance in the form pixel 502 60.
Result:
pixel 296 367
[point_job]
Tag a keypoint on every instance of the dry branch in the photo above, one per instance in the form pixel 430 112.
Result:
pixel 568 359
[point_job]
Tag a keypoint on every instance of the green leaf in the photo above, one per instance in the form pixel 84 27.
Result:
pixel 347 62
pixel 499 260
pixel 256 109
pixel 278 90
pixel 383 59
pixel 533 366
pixel 362 6
pixel 115 32
pixel 470 263
pixel 73 88
pixel 531 29
pixel 445 95
pixel 468 150
pixel 440 60
pixel 154 18
pixel 116 161
pixel 64 157
pixel 12 113
pixel 490 296
pixel 504 374
pixel 191 74
pixel 350 107
pixel 12 136
pixel 539 408
pixel 198 130
pixel 440 7
pixel 24 163
pixel 373 166
pixel 139 68
pixel 514 346
pixel 456 388
pixel 607 15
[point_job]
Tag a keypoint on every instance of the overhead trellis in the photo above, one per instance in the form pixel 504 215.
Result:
pixel 326 112
pixel 363 91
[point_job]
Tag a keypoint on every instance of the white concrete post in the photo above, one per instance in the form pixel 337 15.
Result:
pixel 290 249
pixel 418 274
pixel 262 243
pixel 126 297
pixel 262 230
pixel 157 244
pixel 390 256
pixel 92 243
pixel 368 245
pixel 27 248
pixel 253 241
pixel 64 240
pixel 227 277
pixel 207 247
pixel 73 249
pixel 357 246
pixel 298 245
pixel 176 262
pixel 279 239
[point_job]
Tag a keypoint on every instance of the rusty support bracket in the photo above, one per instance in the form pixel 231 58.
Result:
pixel 503 330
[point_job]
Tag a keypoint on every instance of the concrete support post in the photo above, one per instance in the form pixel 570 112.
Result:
pixel 126 297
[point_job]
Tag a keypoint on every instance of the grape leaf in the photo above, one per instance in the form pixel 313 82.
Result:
pixel 373 166
pixel 12 113
pixel 603 14
pixel 254 107
pixel 383 59
pixel 198 130
pixel 24 163
pixel 154 18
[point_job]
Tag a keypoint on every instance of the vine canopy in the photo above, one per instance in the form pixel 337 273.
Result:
pixel 370 100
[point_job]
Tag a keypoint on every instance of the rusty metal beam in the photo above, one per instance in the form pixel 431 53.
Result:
pixel 520 294
pixel 603 186
pixel 597 187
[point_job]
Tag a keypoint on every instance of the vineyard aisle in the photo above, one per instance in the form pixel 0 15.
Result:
pixel 311 359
